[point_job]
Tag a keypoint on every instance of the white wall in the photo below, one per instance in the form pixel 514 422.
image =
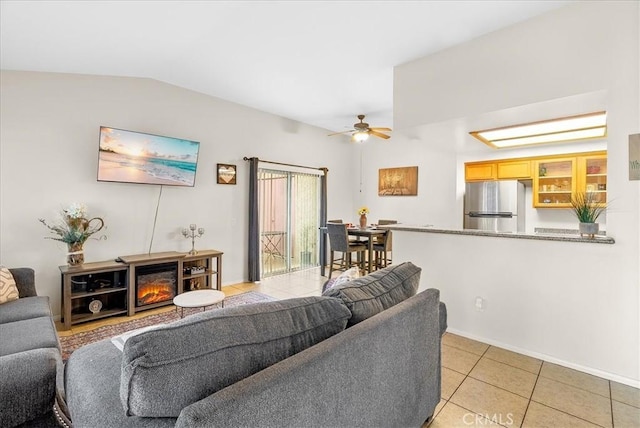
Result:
pixel 49 151
pixel 568 303
pixel 435 202
pixel 576 304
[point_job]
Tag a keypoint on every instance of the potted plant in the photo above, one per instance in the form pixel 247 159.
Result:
pixel 587 207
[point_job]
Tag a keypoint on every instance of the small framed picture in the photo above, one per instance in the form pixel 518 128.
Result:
pixel 226 174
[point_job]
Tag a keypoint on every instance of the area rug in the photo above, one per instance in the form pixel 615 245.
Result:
pixel 75 341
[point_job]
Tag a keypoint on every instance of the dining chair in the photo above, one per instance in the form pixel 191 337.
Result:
pixel 339 242
pixel 351 238
pixel 380 239
pixel 382 251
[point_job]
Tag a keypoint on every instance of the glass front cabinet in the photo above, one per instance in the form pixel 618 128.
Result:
pixel 592 173
pixel 554 183
pixel 556 180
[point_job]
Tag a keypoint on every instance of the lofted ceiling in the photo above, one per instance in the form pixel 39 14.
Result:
pixel 317 62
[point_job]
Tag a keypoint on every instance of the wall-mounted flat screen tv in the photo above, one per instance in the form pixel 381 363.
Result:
pixel 136 157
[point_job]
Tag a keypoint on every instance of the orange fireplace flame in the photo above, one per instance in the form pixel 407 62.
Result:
pixel 155 292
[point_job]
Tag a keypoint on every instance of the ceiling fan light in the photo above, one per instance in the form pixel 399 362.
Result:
pixel 360 136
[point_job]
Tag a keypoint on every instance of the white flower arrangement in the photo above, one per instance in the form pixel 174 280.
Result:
pixel 76 210
pixel 74 227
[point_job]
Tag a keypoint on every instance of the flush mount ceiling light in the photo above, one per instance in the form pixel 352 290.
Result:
pixel 572 128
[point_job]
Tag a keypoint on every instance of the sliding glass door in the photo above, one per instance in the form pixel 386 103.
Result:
pixel 289 207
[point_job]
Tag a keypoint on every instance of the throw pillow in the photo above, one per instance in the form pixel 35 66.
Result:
pixel 166 369
pixel 344 277
pixel 119 340
pixel 372 294
pixel 8 288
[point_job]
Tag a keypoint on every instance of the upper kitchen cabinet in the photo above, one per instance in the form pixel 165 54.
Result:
pixel 512 169
pixel 554 183
pixel 557 179
pixel 519 169
pixel 592 176
pixel 480 171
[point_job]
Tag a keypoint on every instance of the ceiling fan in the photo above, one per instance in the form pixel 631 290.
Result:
pixel 362 131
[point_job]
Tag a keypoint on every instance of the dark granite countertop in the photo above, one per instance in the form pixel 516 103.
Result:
pixel 541 234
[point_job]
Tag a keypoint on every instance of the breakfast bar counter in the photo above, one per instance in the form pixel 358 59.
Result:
pixel 541 234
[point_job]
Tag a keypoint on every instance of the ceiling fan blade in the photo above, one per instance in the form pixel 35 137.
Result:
pixel 343 132
pixel 378 134
pixel 381 129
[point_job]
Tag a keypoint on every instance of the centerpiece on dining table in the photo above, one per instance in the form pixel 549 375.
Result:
pixel 363 211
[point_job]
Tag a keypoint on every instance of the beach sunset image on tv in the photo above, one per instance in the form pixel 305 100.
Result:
pixel 135 157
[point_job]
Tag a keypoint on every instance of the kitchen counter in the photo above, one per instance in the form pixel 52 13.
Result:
pixel 545 235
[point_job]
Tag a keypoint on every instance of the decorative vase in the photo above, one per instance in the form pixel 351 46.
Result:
pixel 76 223
pixel 75 256
pixel 589 229
pixel 363 221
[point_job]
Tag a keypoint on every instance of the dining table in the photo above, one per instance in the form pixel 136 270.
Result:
pixel 368 232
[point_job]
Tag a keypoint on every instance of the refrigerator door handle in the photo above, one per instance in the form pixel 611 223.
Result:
pixel 480 214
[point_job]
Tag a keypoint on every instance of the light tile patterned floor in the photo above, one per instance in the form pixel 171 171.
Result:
pixel 516 390
pixel 483 385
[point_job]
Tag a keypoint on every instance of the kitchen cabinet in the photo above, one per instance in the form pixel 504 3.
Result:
pixel 520 169
pixel 592 176
pixel 554 183
pixel 481 171
pixel 511 169
pixel 557 179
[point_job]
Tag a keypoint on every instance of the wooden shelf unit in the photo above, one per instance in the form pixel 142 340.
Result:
pixel 78 291
pixel 113 283
pixel 204 279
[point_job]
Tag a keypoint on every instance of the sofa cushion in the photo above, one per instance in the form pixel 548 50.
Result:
pixel 24 309
pixel 25 281
pixel 8 289
pixel 27 385
pixel 372 294
pixel 92 388
pixel 25 335
pixel 167 369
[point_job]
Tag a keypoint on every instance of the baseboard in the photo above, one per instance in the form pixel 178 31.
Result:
pixel 605 375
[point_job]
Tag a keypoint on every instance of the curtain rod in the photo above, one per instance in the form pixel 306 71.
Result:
pixel 288 164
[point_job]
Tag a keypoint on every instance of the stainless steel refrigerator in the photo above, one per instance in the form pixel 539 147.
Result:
pixel 496 206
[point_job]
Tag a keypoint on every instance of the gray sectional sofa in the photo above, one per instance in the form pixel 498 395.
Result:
pixel 30 356
pixel 366 353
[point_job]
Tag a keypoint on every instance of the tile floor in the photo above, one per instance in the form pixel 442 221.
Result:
pixel 483 385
